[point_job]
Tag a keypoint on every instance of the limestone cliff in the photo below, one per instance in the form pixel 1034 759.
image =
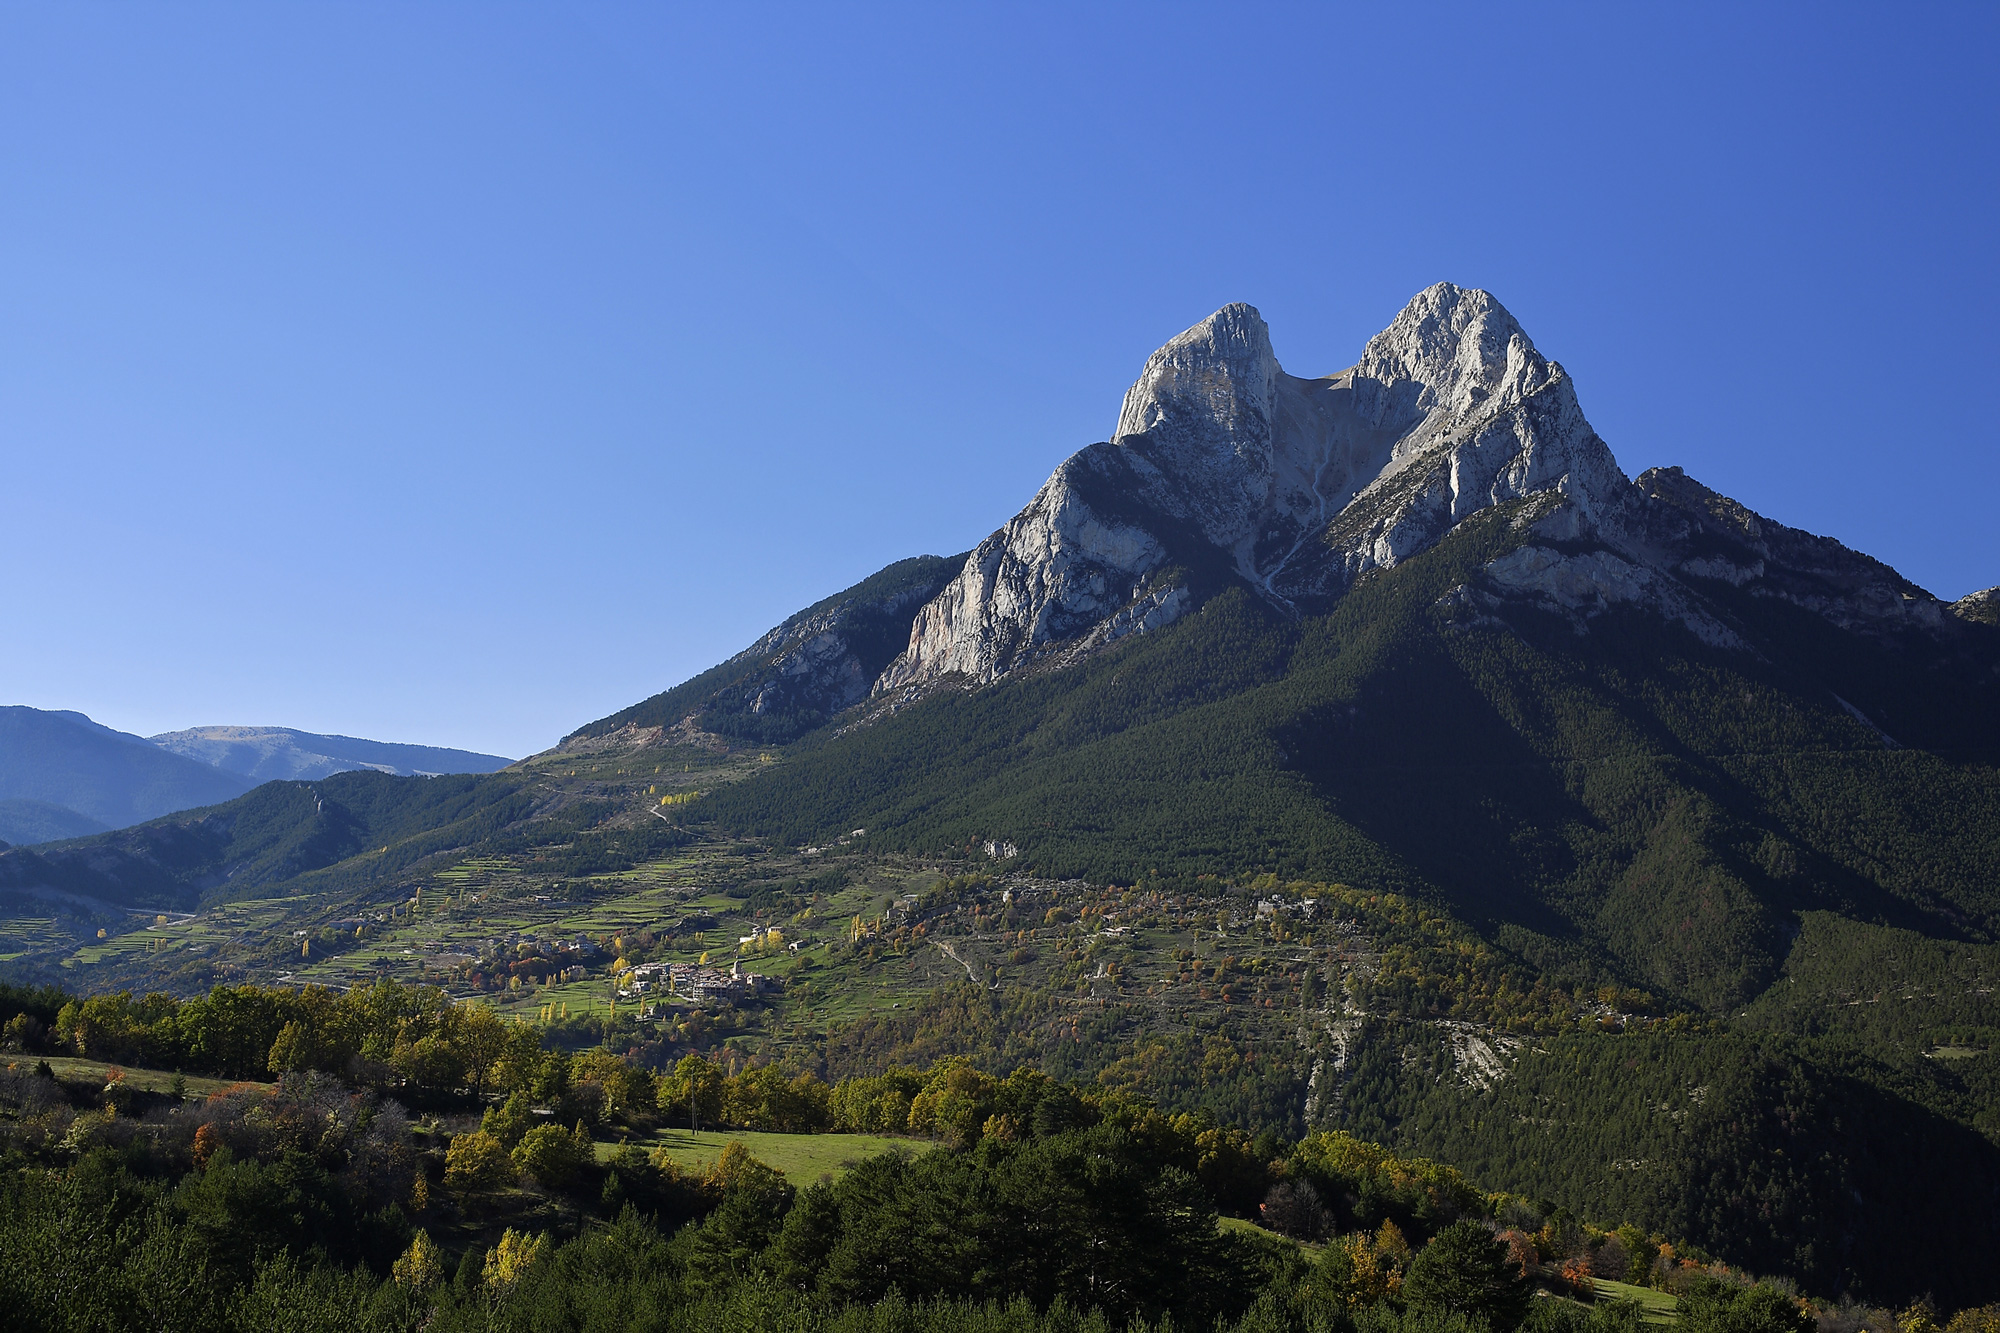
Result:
pixel 1982 607
pixel 1223 465
pixel 1225 469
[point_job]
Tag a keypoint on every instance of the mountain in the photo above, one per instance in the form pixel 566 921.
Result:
pixel 267 753
pixel 371 823
pixel 25 822
pixel 1599 835
pixel 1410 625
pixel 108 777
pixel 1409 628
pixel 1226 471
pixel 820 661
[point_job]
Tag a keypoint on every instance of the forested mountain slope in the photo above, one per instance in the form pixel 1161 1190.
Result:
pixel 1410 625
pixel 1634 733
pixel 282 831
pixel 24 822
pixel 1629 793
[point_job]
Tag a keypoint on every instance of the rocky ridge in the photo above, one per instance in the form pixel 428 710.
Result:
pixel 1224 468
pixel 816 663
pixel 1982 607
pixel 1226 471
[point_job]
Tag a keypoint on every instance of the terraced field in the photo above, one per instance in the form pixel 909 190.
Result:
pixel 26 936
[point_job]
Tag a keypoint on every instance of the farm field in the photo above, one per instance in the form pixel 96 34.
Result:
pixel 801 1158
pixel 24 936
pixel 1655 1307
pixel 185 934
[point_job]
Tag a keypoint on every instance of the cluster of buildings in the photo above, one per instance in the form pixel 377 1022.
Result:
pixel 1278 905
pixel 695 981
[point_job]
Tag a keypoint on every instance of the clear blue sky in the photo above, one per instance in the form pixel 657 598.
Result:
pixel 459 374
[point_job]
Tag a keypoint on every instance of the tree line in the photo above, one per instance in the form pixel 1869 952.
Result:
pixel 312 1205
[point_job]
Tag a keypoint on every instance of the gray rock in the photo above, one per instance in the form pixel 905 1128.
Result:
pixel 1981 607
pixel 1225 470
pixel 1706 538
pixel 1223 467
pixel 818 662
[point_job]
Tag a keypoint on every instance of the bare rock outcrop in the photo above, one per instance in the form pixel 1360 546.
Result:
pixel 1225 470
pixel 1224 467
pixel 1703 536
pixel 1982 607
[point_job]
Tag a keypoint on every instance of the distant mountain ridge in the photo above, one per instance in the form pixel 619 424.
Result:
pixel 65 760
pixel 271 753
pixel 64 776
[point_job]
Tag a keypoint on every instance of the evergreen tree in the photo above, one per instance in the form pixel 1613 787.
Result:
pixel 1464 1269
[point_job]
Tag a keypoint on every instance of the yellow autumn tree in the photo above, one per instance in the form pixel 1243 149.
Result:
pixel 511 1258
pixel 477 1162
pixel 422 1265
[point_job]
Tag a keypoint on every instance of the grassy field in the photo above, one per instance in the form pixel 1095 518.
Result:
pixel 1655 1307
pixel 1249 1228
pixel 218 926
pixel 802 1158
pixel 145 1080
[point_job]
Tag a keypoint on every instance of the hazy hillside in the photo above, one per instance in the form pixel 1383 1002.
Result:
pixel 24 822
pixel 274 834
pixel 264 754
pixel 111 777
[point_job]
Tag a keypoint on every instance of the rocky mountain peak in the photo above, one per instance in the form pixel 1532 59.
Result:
pixel 1223 462
pixel 1453 348
pixel 1224 469
pixel 1226 472
pixel 1207 390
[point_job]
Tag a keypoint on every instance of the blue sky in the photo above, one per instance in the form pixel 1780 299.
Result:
pixel 459 374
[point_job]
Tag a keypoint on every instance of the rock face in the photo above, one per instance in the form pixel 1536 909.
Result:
pixel 1705 538
pixel 1981 607
pixel 817 661
pixel 1226 470
pixel 1478 417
